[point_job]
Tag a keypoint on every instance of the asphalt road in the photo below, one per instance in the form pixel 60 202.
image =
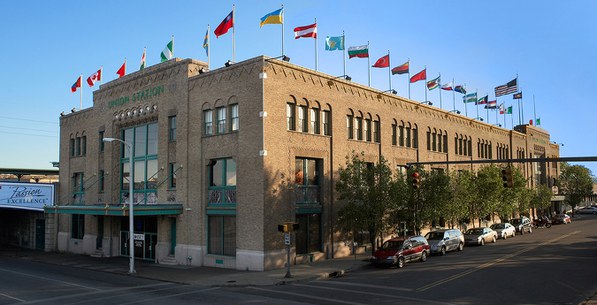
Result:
pixel 550 266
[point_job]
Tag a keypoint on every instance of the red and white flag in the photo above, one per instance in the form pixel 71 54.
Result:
pixel 95 77
pixel 306 31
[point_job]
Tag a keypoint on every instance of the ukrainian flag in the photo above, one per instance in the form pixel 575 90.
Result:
pixel 274 17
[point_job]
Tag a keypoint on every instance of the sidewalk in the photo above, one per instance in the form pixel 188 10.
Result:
pixel 203 276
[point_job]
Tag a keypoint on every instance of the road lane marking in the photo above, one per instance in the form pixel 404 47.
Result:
pixel 88 294
pixel 6 295
pixel 385 295
pixel 306 296
pixel 365 285
pixel 489 264
pixel 49 279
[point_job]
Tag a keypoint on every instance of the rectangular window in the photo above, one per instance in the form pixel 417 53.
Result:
pixel 144 163
pixel 172 128
pixel 314 120
pixel 101 141
pixel 394 135
pixel 359 128
pixel 101 181
pixel 234 121
pixel 327 121
pixel 72 147
pixel 172 175
pixel 221 113
pixel 77 226
pixel 208 122
pixel 223 172
pixel 78 189
pixel 367 130
pixel 83 145
pixel 429 140
pixel 222 235
pixel 349 127
pixel 290 116
pixel 78 146
pixel 376 132
pixel 401 135
pixel 302 118
pixel 415 136
pixel 445 143
pixel 307 180
pixel 408 141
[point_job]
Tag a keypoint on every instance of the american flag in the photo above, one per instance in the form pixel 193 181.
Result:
pixel 510 87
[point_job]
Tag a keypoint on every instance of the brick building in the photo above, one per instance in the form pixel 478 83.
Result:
pixel 222 157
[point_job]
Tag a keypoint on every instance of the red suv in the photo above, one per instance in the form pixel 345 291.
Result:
pixel 398 251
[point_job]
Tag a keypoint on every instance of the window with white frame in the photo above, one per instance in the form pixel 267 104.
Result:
pixel 221 123
pixel 208 124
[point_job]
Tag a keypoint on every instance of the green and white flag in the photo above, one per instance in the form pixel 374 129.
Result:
pixel 168 51
pixel 359 52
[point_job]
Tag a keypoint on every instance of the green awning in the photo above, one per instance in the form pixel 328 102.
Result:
pixel 116 210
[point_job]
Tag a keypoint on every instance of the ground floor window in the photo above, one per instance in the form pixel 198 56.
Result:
pixel 222 235
pixel 308 235
pixel 77 226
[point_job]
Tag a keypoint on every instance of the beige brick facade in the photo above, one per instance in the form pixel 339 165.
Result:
pixel 264 151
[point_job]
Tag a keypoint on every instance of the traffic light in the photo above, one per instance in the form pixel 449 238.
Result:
pixel 507 177
pixel 416 180
pixel 288 227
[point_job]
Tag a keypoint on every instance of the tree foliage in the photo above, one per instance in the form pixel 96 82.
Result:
pixel 576 183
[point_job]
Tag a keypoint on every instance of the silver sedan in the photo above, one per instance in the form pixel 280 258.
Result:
pixel 479 236
pixel 504 230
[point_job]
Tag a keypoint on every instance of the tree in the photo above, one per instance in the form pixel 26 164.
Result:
pixel 576 183
pixel 436 197
pixel 511 197
pixel 463 197
pixel 542 197
pixel 489 186
pixel 367 190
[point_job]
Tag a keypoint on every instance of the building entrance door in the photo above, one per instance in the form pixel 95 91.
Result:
pixel 145 237
pixel 40 234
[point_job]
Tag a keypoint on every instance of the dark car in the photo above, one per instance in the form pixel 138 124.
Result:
pixel 561 218
pixel 398 251
pixel 522 225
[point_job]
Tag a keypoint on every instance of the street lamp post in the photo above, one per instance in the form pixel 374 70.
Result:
pixel 131 218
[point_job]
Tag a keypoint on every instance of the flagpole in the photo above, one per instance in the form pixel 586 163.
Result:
pixel 344 52
pixel 101 75
pixel 439 81
pixel 464 100
pixel 282 30
pixel 409 78
pixel 534 113
pixel 477 103
pixel 505 112
pixel 208 47
pixel 453 94
pixel 496 113
pixel 426 83
pixel 521 111
pixel 81 93
pixel 316 45
pixel 233 34
pixel 172 46
pixel 389 71
pixel 369 63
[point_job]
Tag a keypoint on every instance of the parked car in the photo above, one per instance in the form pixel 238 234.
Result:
pixel 587 210
pixel 398 251
pixel 522 225
pixel 504 229
pixel 561 218
pixel 442 241
pixel 479 236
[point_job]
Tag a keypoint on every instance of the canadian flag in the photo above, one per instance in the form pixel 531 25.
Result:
pixel 95 77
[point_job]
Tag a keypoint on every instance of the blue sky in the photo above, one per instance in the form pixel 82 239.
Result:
pixel 549 45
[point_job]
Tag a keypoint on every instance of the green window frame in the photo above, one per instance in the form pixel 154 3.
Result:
pixel 145 162
pixel 78 189
pixel 222 183
pixel 221 239
pixel 172 128
pixel 77 226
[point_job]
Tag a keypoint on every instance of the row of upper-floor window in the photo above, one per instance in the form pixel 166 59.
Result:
pixel 78 146
pixel 363 129
pixel 310 120
pixel 222 120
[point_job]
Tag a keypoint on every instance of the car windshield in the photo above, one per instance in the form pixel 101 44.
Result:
pixel 392 244
pixel 474 231
pixel 498 226
pixel 434 235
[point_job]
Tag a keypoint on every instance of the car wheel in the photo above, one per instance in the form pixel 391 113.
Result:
pixel 482 242
pixel 460 246
pixel 423 256
pixel 530 230
pixel 513 233
pixel 442 251
pixel 400 262
pixel 505 236
pixel 494 239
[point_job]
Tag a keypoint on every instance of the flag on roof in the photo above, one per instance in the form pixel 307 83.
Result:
pixel 359 51
pixel 95 77
pixel 122 71
pixel 517 96
pixel 402 69
pixel 482 100
pixel 448 87
pixel 306 31
pixel 168 51
pixel 77 84
pixel 508 88
pixel 538 122
pixel 509 110
pixel 225 25
pixel 470 98
pixel 491 105
pixel 206 42
pixel 460 89
pixel 143 60
pixel 382 62
pixel 434 83
pixel 334 43
pixel 419 76
pixel 502 108
pixel 275 17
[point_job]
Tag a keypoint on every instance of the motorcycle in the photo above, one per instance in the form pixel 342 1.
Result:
pixel 542 222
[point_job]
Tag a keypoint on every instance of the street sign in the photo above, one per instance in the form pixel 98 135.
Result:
pixel 287 239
